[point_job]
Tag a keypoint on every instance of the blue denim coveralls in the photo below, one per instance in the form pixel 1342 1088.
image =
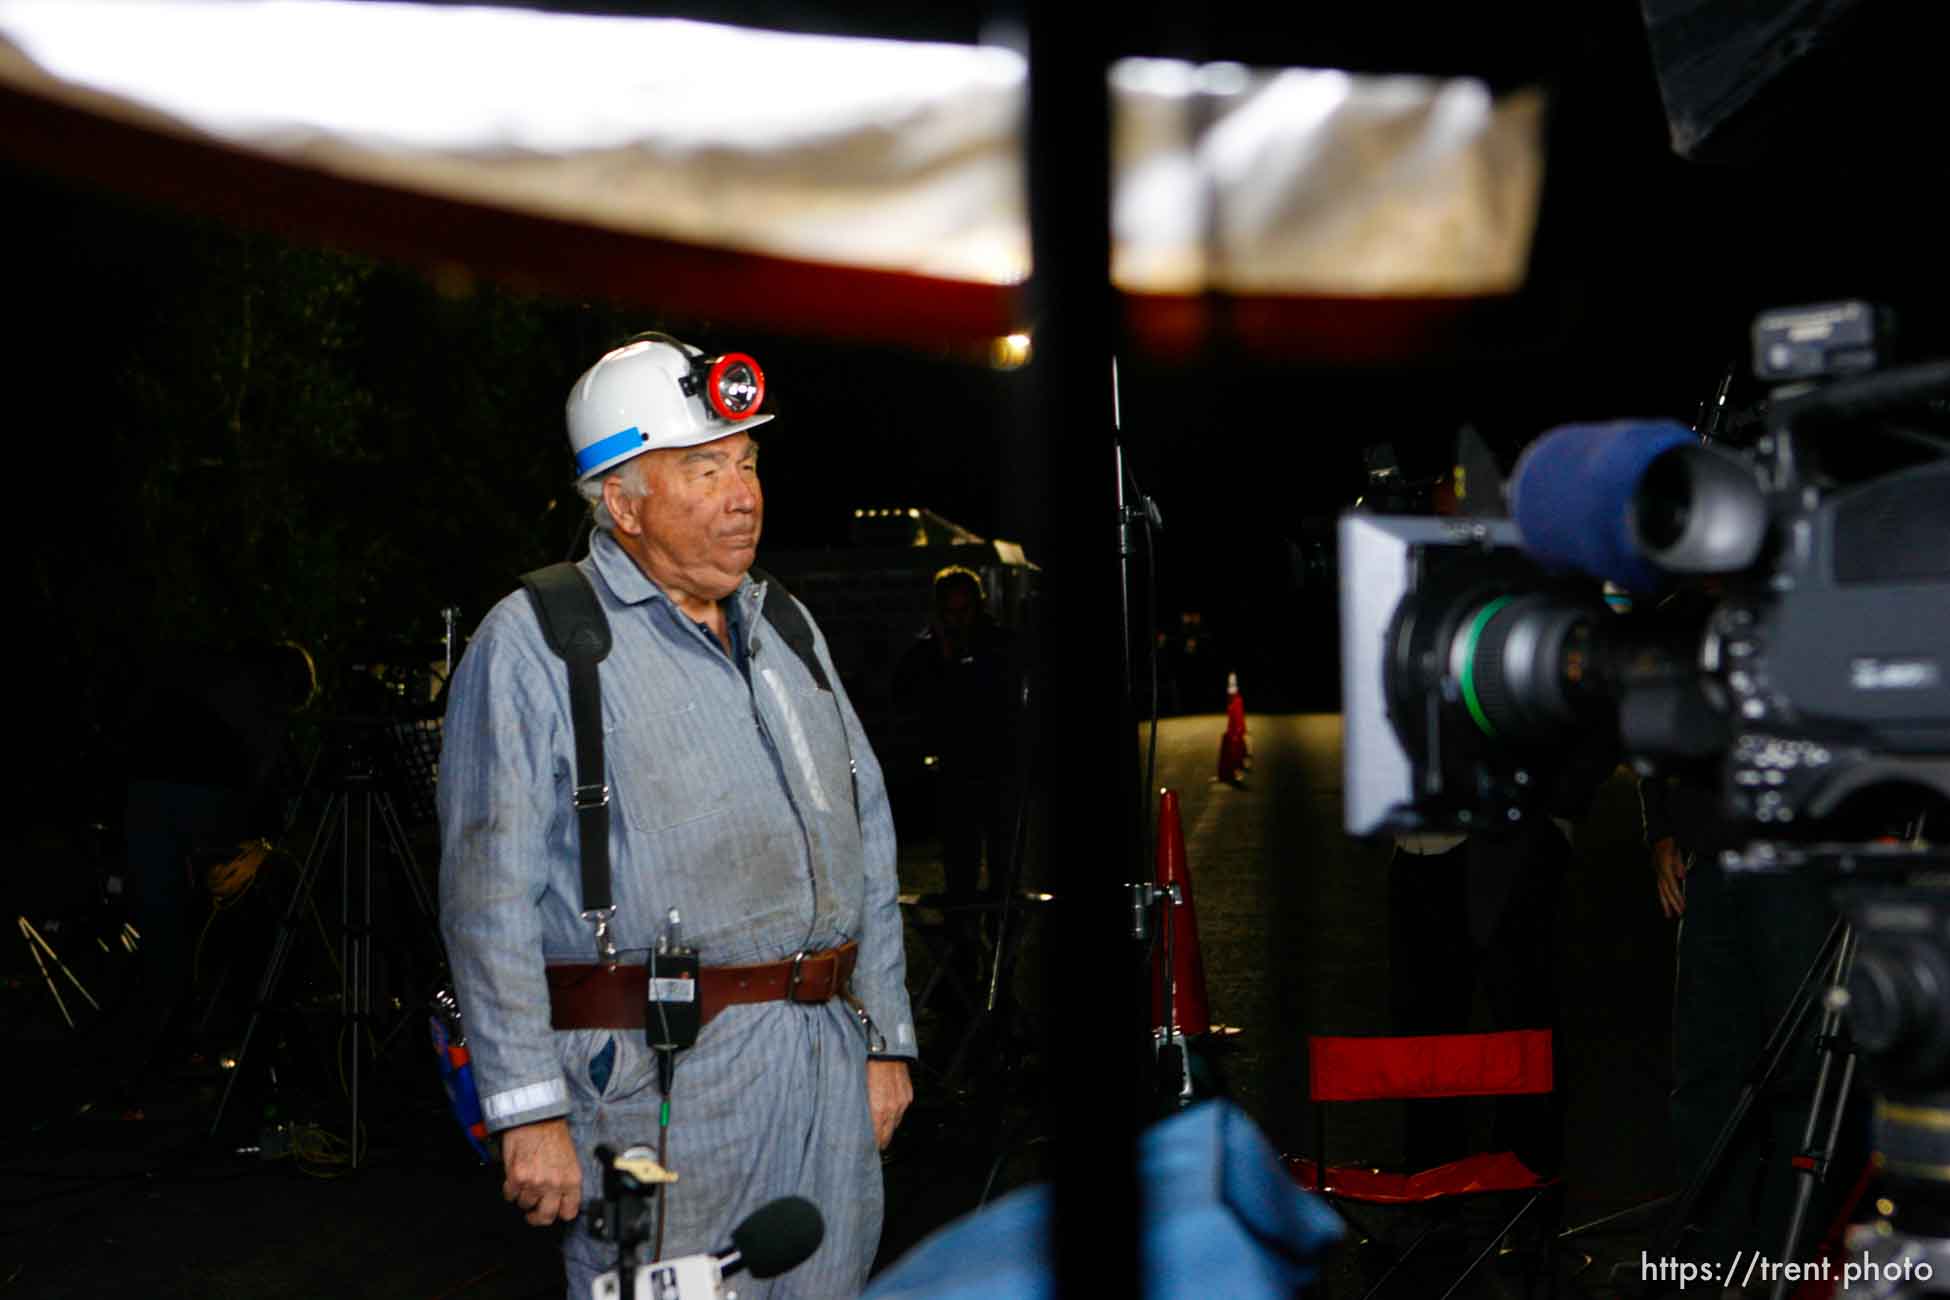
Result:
pixel 733 801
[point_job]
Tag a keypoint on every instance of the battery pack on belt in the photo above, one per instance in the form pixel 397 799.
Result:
pixel 672 1013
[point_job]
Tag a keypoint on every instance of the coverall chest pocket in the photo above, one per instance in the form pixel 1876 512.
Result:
pixel 666 770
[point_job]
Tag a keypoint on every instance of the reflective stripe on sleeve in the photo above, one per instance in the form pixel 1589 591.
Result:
pixel 531 1096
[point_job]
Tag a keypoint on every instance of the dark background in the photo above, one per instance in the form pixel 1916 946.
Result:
pixel 221 435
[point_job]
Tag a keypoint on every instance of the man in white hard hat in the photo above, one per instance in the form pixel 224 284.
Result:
pixel 744 799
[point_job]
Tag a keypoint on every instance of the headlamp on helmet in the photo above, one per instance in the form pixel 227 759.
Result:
pixel 733 384
pixel 659 392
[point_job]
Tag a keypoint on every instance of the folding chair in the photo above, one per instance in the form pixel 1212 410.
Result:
pixel 1508 1063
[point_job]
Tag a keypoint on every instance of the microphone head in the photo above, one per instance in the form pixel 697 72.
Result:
pixel 779 1236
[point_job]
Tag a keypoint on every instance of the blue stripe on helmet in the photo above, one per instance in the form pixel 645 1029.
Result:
pixel 614 445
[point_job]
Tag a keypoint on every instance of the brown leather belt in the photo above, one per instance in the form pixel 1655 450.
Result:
pixel 593 996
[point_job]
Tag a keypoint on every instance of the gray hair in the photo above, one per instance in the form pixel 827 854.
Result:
pixel 629 473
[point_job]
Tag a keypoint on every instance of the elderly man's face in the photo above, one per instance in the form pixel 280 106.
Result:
pixel 695 530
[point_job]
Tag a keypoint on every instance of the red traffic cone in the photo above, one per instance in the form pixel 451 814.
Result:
pixel 1191 1014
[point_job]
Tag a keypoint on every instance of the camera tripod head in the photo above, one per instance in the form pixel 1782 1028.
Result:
pixel 1897 1002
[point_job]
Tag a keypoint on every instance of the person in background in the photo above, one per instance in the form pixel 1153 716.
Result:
pixel 208 732
pixel 955 687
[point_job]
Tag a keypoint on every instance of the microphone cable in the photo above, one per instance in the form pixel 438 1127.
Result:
pixel 666 1075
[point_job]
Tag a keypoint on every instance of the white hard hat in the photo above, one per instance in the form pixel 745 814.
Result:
pixel 657 391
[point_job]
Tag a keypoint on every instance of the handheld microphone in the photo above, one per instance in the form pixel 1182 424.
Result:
pixel 777 1237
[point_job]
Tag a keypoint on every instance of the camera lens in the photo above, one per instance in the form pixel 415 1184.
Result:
pixel 1894 991
pixel 1528 666
pixel 1881 1002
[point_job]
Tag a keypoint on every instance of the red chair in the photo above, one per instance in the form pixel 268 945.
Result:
pixel 1508 1063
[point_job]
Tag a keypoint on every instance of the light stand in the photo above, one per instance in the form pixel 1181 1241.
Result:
pixel 358 808
pixel 1171 1066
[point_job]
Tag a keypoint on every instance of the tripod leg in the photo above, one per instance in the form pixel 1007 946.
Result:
pixel 280 950
pixel 423 902
pixel 1490 1249
pixel 1768 1065
pixel 1811 1166
pixel 52 987
pixel 356 980
pixel 410 867
pixel 37 945
pixel 379 818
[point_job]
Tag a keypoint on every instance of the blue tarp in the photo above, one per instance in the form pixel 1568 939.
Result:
pixel 1221 1217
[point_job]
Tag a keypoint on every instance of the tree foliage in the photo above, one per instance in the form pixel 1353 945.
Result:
pixel 271 442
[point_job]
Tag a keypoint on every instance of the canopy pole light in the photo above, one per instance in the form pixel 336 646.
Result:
pixel 1010 352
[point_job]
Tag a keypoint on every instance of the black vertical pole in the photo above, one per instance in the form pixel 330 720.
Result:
pixel 1099 1041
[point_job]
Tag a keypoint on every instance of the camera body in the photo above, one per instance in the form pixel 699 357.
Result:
pixel 1832 659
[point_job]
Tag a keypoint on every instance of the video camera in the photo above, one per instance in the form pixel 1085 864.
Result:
pixel 1796 665
pixel 1800 663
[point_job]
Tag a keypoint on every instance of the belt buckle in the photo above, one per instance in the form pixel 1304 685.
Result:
pixel 792 979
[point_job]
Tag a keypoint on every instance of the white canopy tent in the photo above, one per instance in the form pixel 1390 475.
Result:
pixel 763 177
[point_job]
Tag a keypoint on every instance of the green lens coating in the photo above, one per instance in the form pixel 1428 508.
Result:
pixel 1475 705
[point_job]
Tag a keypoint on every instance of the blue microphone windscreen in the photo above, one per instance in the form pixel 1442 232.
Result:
pixel 1571 497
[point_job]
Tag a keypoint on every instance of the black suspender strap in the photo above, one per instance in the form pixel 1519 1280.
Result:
pixel 575 628
pixel 786 618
